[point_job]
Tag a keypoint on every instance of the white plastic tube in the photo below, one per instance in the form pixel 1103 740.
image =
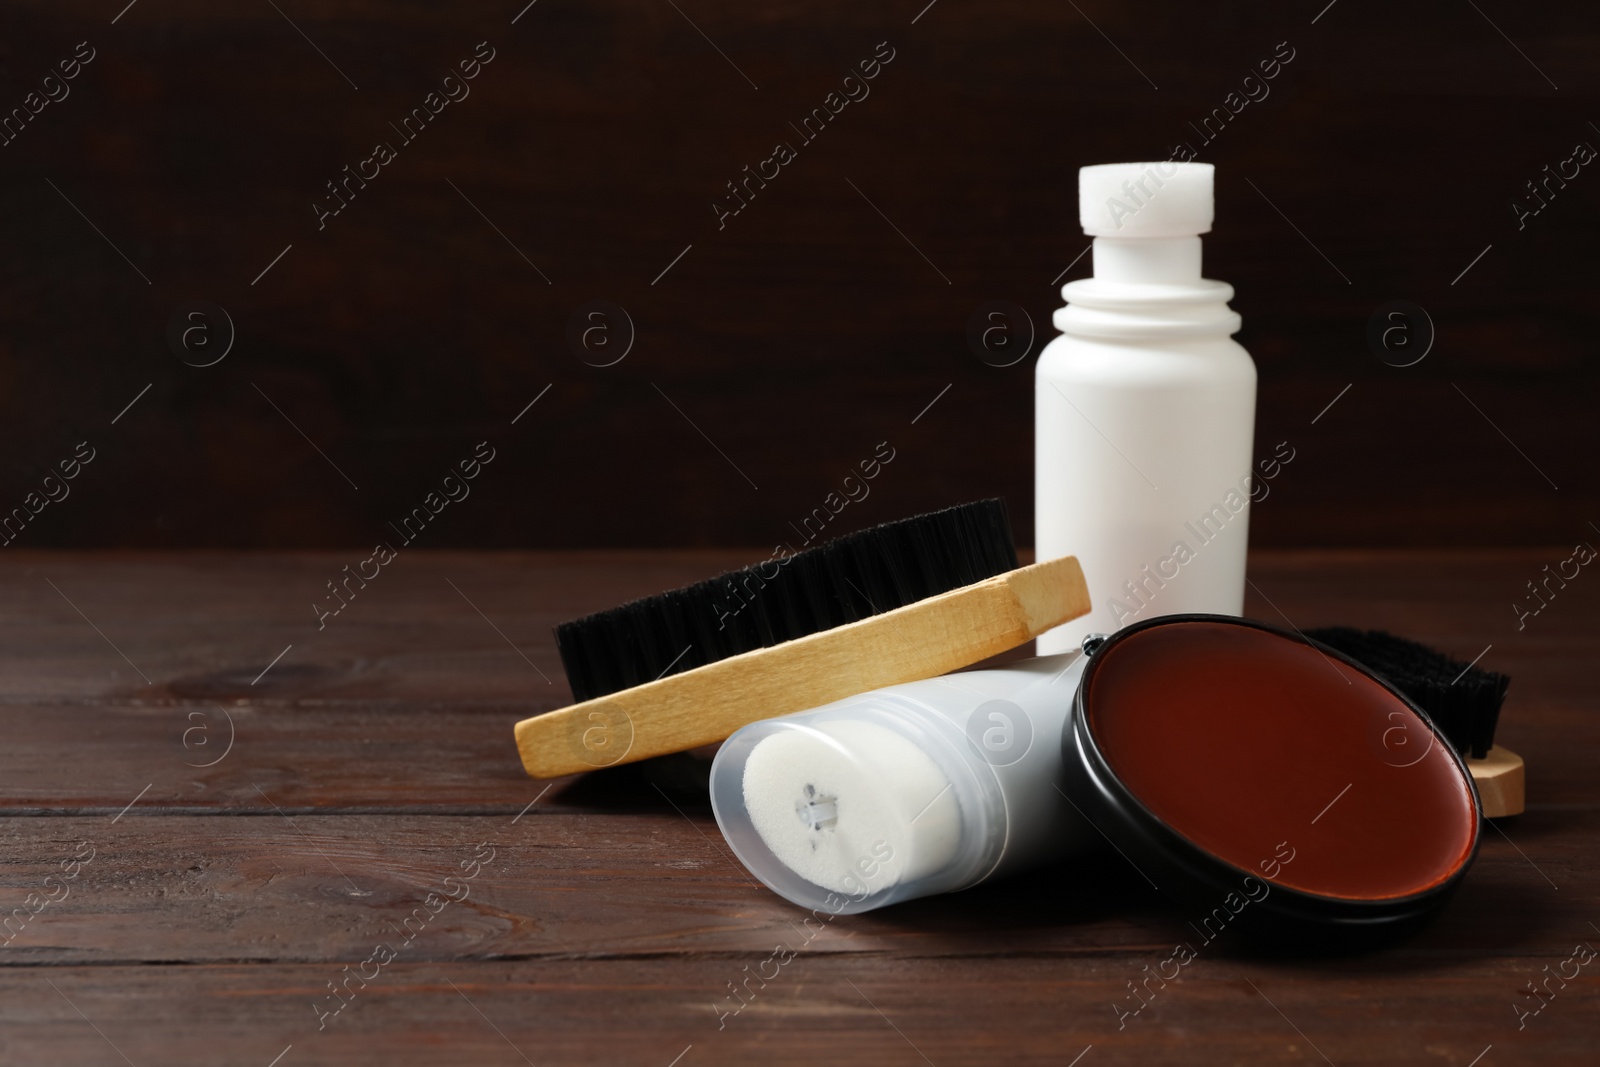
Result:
pixel 915 789
pixel 1145 410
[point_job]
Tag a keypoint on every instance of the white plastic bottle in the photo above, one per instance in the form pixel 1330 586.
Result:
pixel 1144 410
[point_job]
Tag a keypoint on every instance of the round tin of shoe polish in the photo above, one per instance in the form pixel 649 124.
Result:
pixel 1248 771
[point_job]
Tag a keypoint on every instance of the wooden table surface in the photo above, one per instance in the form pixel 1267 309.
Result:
pixel 175 899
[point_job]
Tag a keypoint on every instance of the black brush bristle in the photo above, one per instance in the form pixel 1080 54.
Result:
pixel 837 582
pixel 1463 701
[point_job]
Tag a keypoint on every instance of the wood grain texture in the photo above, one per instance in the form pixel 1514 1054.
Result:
pixel 572 880
pixel 803 331
pixel 608 921
pixel 649 1011
pixel 925 639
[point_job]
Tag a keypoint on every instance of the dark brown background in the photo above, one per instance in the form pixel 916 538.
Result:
pixel 806 331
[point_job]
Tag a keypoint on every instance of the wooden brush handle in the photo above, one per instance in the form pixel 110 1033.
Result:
pixel 698 707
pixel 1501 780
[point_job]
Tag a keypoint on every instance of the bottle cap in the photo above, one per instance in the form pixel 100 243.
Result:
pixel 1165 199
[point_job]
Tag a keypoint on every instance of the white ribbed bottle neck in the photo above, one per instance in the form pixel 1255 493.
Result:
pixel 1147 289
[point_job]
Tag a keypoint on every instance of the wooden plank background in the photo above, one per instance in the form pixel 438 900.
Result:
pixel 373 757
pixel 427 315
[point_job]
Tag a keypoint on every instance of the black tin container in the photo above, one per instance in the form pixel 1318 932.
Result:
pixel 1158 805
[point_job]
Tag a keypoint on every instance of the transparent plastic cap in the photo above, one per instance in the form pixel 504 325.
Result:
pixel 1165 199
pixel 858 805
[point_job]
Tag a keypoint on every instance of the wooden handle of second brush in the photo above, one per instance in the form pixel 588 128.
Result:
pixel 698 707
pixel 1501 779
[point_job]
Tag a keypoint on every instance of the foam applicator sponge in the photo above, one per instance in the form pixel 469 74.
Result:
pixel 851 804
